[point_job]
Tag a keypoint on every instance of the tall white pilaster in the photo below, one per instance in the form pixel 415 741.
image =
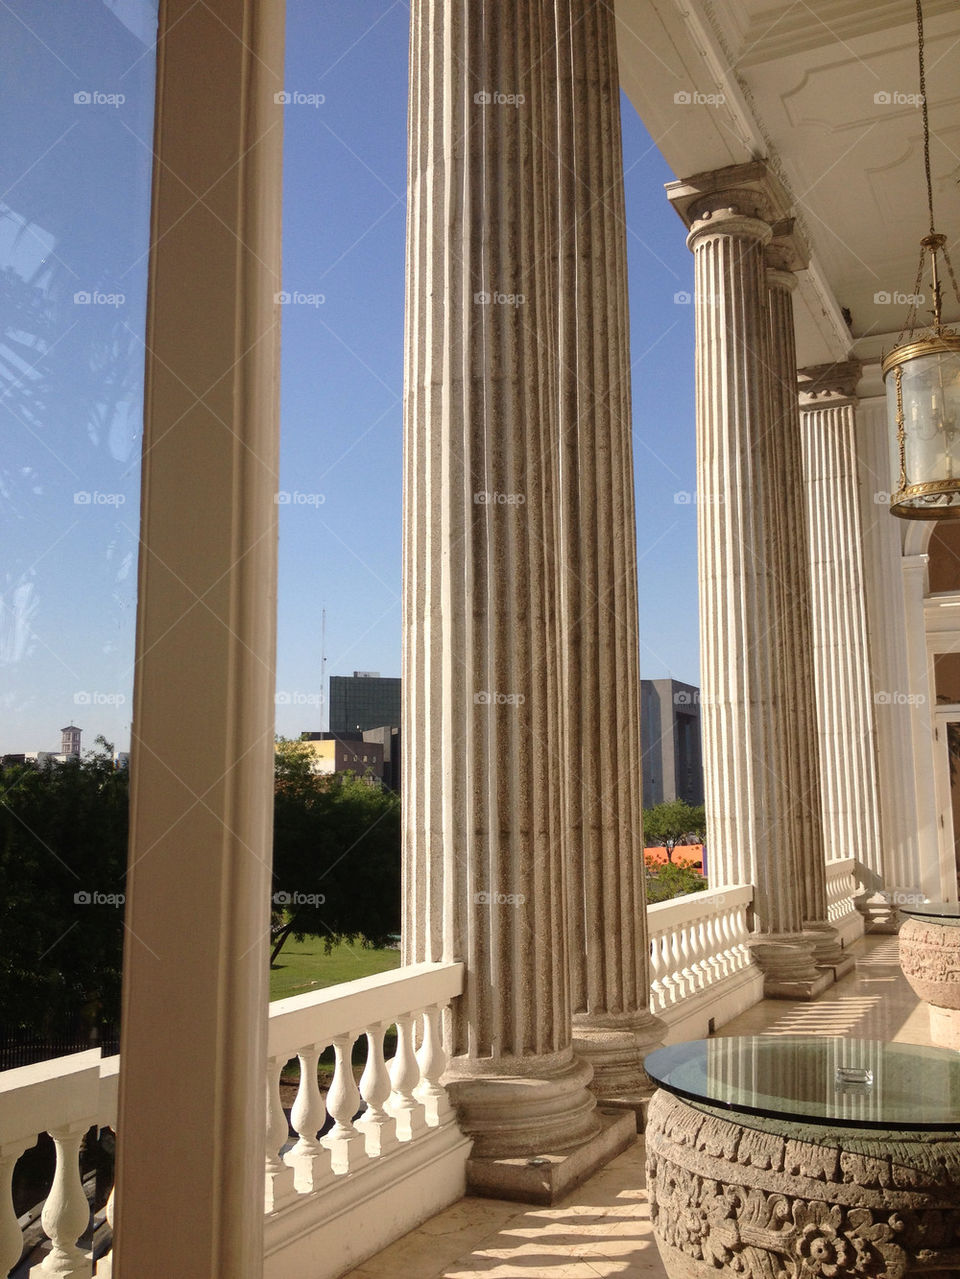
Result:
pixel 191 1126
pixel 881 541
pixel 609 951
pixel 914 569
pixel 740 462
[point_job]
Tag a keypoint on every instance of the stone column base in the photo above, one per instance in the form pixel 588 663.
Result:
pixel 516 1116
pixel 615 1047
pixel 827 950
pixel 880 914
pixel 546 1178
pixel 787 963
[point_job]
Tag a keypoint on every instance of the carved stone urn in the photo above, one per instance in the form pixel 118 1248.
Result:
pixel 930 959
pixel 734 1194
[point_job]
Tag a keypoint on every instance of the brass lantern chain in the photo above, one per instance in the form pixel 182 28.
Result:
pixel 922 374
pixel 932 243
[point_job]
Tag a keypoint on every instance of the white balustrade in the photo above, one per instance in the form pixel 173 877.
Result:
pixel 842 888
pixel 400 1101
pixel 696 942
pixel 64 1097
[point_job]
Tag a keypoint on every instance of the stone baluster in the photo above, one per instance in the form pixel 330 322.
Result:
pixel 715 928
pixel 669 967
pixel 736 937
pixel 346 1144
pixel 11 1237
pixel 279 1180
pixel 433 1058
pixel 680 951
pixel 656 970
pixel 676 960
pixel 309 1158
pixel 103 1268
pixel 377 1125
pixel 698 952
pixel 668 979
pixel 405 1076
pixel 66 1213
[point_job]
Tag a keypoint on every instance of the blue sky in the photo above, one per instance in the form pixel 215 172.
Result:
pixel 73 220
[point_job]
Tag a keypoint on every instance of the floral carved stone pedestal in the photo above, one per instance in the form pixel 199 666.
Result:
pixel 930 959
pixel 773 1198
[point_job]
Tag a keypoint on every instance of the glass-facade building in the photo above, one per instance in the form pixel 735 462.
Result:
pixel 363 701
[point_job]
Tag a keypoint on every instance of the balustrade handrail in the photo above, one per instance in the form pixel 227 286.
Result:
pixel 321 1015
pixel 843 866
pixel 679 910
pixel 56 1092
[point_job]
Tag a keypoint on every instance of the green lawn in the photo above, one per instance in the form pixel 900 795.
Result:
pixel 303 966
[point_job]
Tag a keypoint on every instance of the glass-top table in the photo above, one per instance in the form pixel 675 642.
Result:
pixel 861 1083
pixel 947 913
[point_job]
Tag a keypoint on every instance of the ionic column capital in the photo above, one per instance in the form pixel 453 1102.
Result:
pixel 777 278
pixel 828 385
pixel 728 220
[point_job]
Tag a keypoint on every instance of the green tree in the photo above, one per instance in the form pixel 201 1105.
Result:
pixel 671 823
pixel 63 858
pixel 336 854
pixel 671 880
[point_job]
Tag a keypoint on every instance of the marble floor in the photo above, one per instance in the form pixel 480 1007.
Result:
pixel 603 1229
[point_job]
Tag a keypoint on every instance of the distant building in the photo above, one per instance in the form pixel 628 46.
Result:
pixel 388 735
pixel 670 738
pixel 335 753
pixel 70 740
pixel 363 700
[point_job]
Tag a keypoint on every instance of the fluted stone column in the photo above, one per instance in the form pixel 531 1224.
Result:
pixel 795 671
pixel 740 466
pixel 485 866
pixel 840 648
pixel 609 950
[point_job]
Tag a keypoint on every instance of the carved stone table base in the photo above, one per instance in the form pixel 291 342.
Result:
pixel 930 959
pixel 739 1194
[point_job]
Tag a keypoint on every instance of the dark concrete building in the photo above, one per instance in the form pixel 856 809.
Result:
pixel 670 735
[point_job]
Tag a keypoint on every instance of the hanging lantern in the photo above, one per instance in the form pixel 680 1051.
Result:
pixel 922 378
